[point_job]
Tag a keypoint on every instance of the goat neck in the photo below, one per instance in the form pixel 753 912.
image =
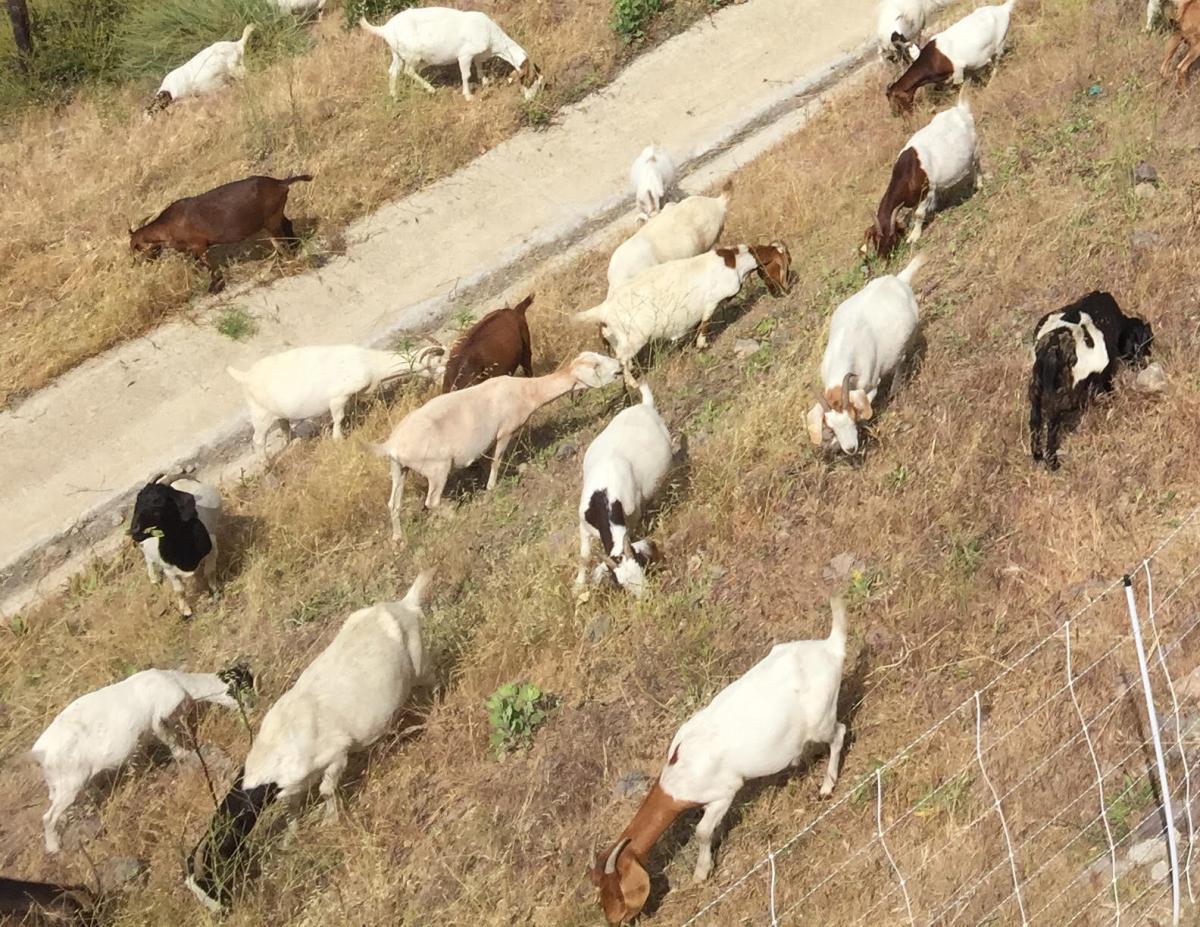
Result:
pixel 658 811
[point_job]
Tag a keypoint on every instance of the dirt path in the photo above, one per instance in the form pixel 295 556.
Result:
pixel 75 452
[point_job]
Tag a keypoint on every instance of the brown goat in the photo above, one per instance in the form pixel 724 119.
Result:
pixel 1187 26
pixel 495 346
pixel 931 67
pixel 225 215
pixel 44 902
pixel 908 187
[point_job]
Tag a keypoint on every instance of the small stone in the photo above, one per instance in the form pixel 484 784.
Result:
pixel 745 347
pixel 1160 871
pixel 717 572
pixel 1153 379
pixel 523 466
pixel 1144 239
pixel 1144 191
pixel 598 627
pixel 57 552
pixel 116 519
pixel 1148 851
pixel 566 451
pixel 120 871
pixel 1144 173
pixel 630 784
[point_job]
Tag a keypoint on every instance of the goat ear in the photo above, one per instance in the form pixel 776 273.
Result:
pixel 816 424
pixel 185 503
pixel 635 883
pixel 861 405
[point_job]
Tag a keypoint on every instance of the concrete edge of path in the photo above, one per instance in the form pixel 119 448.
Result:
pixel 46 566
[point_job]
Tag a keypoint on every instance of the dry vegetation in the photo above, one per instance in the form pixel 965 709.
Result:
pixel 968 555
pixel 75 179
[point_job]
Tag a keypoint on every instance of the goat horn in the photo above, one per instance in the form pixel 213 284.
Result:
pixel 628 547
pixel 848 382
pixel 430 350
pixel 609 561
pixel 610 864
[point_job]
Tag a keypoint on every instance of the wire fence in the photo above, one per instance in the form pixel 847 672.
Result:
pixel 1055 783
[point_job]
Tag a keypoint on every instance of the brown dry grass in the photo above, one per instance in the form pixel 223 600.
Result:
pixel 75 179
pixel 970 556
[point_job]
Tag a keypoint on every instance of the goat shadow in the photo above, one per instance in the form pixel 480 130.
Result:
pixel 260 247
pixel 849 702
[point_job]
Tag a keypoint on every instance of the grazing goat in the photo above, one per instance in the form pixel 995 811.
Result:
pixel 1187 29
pixel 868 335
pixel 623 469
pixel 681 230
pixel 306 382
pixel 439 36
pixel 343 702
pixel 972 43
pixel 757 726
pixel 669 300
pixel 175 524
pixel 898 29
pixel 453 430
pixel 302 7
pixel 652 175
pixel 495 346
pixel 24 902
pixel 938 160
pixel 101 730
pixel 203 73
pixel 1076 353
pixel 224 215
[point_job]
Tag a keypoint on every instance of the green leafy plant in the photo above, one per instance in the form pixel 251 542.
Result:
pixel 515 711
pixel 236 323
pixel 629 17
pixel 376 11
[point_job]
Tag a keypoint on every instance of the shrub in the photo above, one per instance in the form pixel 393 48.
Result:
pixel 376 11
pixel 515 711
pixel 629 17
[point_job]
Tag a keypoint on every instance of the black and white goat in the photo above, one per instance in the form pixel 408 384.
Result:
pixel 1076 352
pixel 175 525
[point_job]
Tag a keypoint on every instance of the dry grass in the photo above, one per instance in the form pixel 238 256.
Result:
pixel 970 555
pixel 75 179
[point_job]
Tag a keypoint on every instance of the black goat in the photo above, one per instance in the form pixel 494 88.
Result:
pixel 24 902
pixel 1076 352
pixel 175 526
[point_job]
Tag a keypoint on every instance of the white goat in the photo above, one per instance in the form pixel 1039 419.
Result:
pixel 439 36
pixel 102 729
pixel 307 382
pixel 868 335
pixel 623 469
pixel 680 230
pixel 757 726
pixel 203 73
pixel 453 430
pixel 652 175
pixel 342 702
pixel 302 7
pixel 898 29
pixel 669 300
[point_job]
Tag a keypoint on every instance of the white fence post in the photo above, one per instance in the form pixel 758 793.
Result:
pixel 1152 716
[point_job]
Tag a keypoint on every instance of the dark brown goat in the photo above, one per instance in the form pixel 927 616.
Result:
pixel 908 187
pixel 44 903
pixel 931 67
pixel 225 215
pixel 494 347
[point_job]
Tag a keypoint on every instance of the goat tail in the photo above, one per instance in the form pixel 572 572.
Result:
pixel 906 275
pixel 242 376
pixel 837 632
pixel 647 396
pixel 214 861
pixel 963 101
pixel 374 30
pixel 418 592
pixel 296 178
pixel 589 316
pixel 246 34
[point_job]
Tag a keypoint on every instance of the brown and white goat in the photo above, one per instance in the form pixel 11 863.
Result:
pixel 225 215
pixel 1187 29
pixel 495 346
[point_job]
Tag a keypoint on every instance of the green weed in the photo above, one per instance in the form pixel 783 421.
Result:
pixel 515 712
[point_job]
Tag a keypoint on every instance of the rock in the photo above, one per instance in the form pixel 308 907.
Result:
pixel 119 871
pixel 630 784
pixel 840 568
pixel 1144 191
pixel 744 347
pixel 309 428
pixel 598 627
pixel 1153 379
pixel 1144 239
pixel 1160 871
pixel 57 552
pixel 566 451
pixel 1145 173
pixel 1148 851
pixel 523 466
pixel 116 519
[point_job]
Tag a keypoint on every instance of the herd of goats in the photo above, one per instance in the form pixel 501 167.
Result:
pixel 665 282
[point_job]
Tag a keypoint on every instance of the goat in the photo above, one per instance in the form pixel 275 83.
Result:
pixel 224 215
pixel 495 346
pixel 302 7
pixel 898 29
pixel 306 382
pixel 681 230
pixel 440 36
pixel 454 429
pixel 868 335
pixel 623 469
pixel 203 73
pixel 652 175
pixel 669 300
pixel 1187 29
pixel 1076 353
pixel 938 160
pixel 1154 11
pixel 175 525
pixel 23 902
pixel 101 730
pixel 755 727
pixel 972 43
pixel 342 702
